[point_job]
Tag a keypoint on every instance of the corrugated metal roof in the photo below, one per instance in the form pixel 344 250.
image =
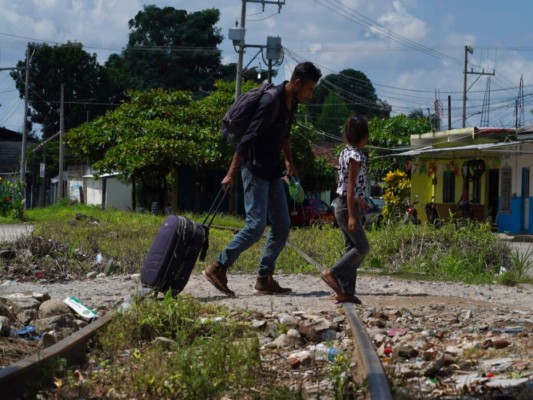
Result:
pixel 468 150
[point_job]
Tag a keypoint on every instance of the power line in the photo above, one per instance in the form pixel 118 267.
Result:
pixel 498 104
pixel 374 27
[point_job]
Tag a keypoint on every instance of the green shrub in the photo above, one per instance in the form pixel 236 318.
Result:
pixel 206 354
pixel 469 253
pixel 12 198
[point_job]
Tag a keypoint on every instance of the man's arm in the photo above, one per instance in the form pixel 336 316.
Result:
pixel 233 168
pixel 289 164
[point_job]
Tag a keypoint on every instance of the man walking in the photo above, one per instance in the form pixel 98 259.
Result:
pixel 257 155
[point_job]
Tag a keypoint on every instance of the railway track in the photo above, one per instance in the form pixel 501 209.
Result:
pixel 365 353
pixel 15 377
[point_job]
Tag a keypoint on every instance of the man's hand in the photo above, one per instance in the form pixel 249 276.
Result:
pixel 232 170
pixel 227 182
pixel 291 169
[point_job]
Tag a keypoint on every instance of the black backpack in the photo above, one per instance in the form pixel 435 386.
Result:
pixel 240 114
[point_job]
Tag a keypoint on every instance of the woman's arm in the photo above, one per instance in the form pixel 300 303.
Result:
pixel 353 172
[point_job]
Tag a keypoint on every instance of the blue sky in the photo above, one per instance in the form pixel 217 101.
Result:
pixel 411 50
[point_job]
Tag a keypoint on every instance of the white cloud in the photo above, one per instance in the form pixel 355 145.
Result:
pixel 399 21
pixel 328 32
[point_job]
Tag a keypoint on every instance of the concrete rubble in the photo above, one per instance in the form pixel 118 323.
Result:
pixel 432 350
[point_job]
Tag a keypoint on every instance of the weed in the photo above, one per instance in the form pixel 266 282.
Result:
pixel 201 356
pixel 340 375
pixel 522 262
pixel 470 253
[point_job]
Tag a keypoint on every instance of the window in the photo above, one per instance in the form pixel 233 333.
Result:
pixel 506 176
pixel 448 189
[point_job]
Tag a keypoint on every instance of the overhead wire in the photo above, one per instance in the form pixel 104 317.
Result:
pixel 499 103
pixel 351 14
pixel 373 26
pixel 473 105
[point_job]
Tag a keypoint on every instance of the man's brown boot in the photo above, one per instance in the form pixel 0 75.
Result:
pixel 217 276
pixel 266 284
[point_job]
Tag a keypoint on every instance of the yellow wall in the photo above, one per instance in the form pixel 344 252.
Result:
pixel 424 190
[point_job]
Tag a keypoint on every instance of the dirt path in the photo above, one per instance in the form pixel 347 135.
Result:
pixel 309 292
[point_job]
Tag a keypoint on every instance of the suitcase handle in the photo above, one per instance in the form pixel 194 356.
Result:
pixel 216 205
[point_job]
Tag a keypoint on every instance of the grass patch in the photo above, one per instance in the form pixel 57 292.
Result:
pixel 174 348
pixel 471 253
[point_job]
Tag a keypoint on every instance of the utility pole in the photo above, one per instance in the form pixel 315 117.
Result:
pixel 24 123
pixel 61 190
pixel 238 84
pixel 237 36
pixel 470 50
pixel 449 112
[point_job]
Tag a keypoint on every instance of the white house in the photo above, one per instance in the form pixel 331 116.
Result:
pixel 108 191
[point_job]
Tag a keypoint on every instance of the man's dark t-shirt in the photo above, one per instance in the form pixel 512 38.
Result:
pixel 261 144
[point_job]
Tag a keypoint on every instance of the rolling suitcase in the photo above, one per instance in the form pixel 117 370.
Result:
pixel 176 247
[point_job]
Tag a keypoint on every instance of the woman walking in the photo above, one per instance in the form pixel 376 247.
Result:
pixel 349 207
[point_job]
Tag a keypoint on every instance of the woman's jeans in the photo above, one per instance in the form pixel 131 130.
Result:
pixel 356 244
pixel 262 200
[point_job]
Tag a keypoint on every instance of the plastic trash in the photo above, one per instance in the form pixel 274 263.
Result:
pixel 508 329
pixel 205 320
pixel 28 333
pixel 323 352
pixel 81 309
pixel 125 305
pixel 25 332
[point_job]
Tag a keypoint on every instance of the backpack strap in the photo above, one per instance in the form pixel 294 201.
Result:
pixel 275 94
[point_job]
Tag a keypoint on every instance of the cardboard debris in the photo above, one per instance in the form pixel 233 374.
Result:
pixel 80 309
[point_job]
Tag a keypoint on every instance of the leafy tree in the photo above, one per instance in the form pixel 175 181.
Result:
pixel 170 49
pixel 86 94
pixel 86 86
pixel 417 113
pixel 157 132
pixel 390 136
pixel 434 119
pixel 357 91
pixel 334 113
pixel 149 137
pixel 315 173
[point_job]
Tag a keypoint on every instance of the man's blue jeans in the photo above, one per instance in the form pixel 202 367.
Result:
pixel 356 245
pixel 262 200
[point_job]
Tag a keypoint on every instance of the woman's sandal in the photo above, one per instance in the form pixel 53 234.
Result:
pixel 330 280
pixel 347 298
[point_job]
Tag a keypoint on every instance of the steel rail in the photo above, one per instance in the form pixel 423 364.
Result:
pixel 375 375
pixel 16 379
pixel 377 379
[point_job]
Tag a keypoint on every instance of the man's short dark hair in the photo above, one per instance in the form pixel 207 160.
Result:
pixel 306 70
